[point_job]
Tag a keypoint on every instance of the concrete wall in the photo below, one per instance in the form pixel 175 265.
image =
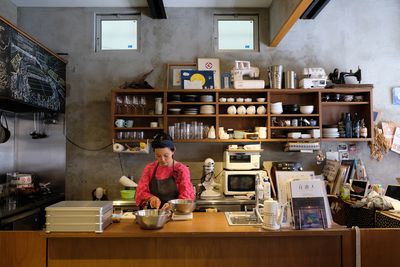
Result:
pixel 345 35
pixel 8 10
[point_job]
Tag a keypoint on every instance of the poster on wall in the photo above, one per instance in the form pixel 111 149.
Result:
pixel 29 73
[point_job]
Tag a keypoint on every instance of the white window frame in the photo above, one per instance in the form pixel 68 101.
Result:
pixel 115 17
pixel 238 17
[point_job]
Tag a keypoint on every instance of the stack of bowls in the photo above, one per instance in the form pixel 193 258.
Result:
pixel 207 109
pixel 276 108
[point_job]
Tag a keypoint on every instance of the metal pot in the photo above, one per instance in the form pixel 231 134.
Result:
pixel 152 219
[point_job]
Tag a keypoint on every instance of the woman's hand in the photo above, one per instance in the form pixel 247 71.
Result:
pixel 155 202
pixel 166 206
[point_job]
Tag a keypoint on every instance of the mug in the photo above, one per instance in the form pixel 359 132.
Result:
pixel 120 123
pixel 128 124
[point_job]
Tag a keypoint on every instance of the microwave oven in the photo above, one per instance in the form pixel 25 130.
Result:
pixel 240 182
pixel 241 160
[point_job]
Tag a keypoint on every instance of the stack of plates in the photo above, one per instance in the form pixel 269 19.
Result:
pixel 206 98
pixel 191 111
pixel 174 110
pixel 330 132
pixel 190 98
pixel 207 109
pixel 175 98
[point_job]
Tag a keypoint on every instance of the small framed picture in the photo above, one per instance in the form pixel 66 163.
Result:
pixel 174 74
pixel 213 65
pixel 396 96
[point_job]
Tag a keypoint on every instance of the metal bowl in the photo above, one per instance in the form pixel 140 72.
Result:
pixel 182 206
pixel 152 219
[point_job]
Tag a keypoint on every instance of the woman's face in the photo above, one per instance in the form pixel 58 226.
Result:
pixel 164 156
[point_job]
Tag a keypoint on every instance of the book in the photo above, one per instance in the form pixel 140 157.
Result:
pixel 340 177
pixel 310 207
pixel 351 163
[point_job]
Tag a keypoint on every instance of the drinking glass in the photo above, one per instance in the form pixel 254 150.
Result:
pixel 119 100
pixel 143 104
pixel 135 105
pixel 127 104
pixel 171 131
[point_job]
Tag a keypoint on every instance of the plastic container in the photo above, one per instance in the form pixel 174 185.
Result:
pixel 128 194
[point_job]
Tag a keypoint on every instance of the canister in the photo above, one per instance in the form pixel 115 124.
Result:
pixel 290 79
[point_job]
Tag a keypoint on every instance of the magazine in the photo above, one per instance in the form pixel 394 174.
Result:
pixel 310 207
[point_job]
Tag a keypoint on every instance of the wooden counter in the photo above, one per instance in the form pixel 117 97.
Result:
pixel 207 240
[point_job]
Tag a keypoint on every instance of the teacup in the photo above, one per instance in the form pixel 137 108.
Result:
pixel 251 110
pixel 128 124
pixel 241 110
pixel 120 123
pixel 231 110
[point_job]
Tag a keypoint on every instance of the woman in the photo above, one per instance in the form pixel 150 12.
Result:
pixel 163 179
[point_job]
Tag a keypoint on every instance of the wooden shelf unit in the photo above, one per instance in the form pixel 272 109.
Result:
pixel 325 113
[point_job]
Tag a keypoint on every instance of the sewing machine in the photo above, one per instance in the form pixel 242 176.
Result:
pixel 313 78
pixel 242 69
pixel 343 77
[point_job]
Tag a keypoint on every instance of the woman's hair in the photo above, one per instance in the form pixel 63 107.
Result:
pixel 163 140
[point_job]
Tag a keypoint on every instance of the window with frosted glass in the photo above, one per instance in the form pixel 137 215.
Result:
pixel 236 33
pixel 117 32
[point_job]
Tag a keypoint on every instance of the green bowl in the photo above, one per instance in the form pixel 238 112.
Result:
pixel 128 194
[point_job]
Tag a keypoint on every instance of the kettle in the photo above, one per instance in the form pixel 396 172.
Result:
pixel 272 215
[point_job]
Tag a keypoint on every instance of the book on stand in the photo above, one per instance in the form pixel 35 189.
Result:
pixel 310 207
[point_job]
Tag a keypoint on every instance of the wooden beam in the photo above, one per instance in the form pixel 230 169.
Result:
pixel 291 20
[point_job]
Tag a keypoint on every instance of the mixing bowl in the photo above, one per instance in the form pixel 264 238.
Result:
pixel 182 205
pixel 152 219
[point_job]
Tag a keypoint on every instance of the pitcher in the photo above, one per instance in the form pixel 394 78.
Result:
pixel 272 215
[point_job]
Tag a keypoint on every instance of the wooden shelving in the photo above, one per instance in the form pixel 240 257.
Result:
pixel 325 112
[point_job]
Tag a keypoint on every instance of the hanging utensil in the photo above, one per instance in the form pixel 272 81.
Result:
pixel 34 133
pixel 4 131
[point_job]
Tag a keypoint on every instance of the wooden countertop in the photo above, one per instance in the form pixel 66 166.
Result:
pixel 203 224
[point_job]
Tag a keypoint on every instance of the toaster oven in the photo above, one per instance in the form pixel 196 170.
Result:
pixel 245 160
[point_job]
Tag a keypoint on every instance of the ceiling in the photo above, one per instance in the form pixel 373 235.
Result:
pixel 142 3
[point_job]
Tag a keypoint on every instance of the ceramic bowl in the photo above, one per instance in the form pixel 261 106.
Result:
pixel 222 99
pixel 307 109
pixel 294 135
pixel 248 99
pixel 239 99
pixel 261 99
pixel 230 99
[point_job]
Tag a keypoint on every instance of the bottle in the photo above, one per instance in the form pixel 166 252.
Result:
pixel 363 129
pixel 356 126
pixel 158 109
pixel 348 126
pixel 267 189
